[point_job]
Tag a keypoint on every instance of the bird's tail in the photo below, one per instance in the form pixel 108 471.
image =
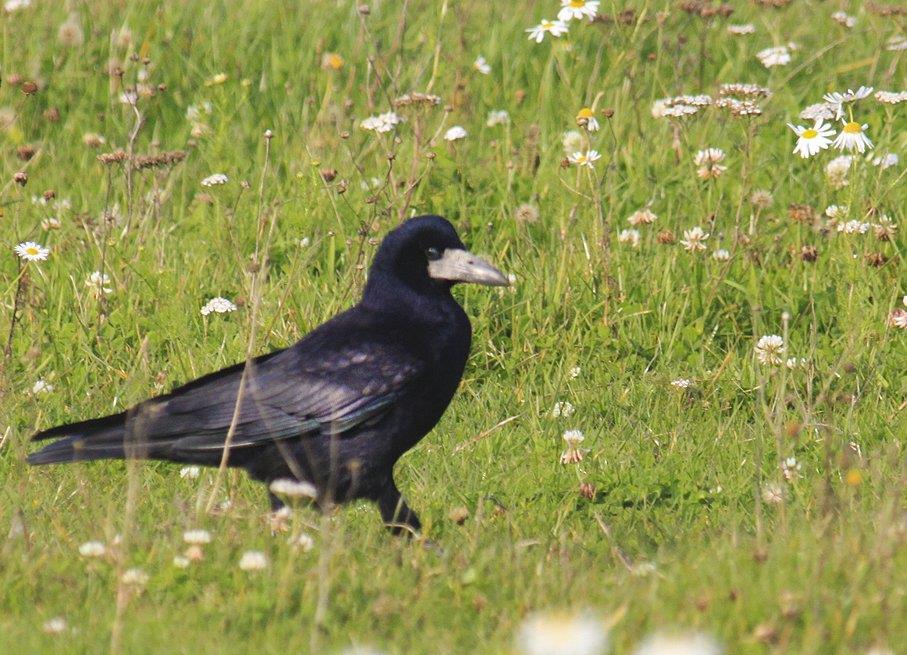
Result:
pixel 102 438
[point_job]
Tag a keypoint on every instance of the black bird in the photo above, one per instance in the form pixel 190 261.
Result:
pixel 338 408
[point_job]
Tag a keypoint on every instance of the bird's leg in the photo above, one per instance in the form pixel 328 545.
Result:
pixel 397 515
pixel 279 516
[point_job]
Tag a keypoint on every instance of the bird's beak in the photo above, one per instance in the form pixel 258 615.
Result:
pixel 462 266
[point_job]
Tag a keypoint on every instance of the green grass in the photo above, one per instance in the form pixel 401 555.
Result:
pixel 678 475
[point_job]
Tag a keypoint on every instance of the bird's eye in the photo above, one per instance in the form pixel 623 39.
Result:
pixel 433 254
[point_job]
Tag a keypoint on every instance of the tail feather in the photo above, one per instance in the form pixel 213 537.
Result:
pixel 102 438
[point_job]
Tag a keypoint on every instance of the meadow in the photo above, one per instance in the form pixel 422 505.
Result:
pixel 681 429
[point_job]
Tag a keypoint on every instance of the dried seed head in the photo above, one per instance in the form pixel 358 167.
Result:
pixel 328 174
pixel 666 237
pixel 115 157
pixel 876 259
pixel 801 212
pixel 52 114
pixel 21 178
pixel 29 88
pixel 25 152
pixel 809 253
pixel 587 490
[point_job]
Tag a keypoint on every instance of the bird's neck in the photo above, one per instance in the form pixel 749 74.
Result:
pixel 385 293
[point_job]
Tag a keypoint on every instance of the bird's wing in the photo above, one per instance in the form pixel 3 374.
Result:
pixel 285 395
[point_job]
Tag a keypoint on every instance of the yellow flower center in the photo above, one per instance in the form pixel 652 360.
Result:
pixel 809 134
pixel 31 250
pixel 577 4
pixel 547 24
pixel 585 112
pixel 853 128
pixel 335 61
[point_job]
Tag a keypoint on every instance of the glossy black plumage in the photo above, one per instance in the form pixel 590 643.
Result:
pixel 336 409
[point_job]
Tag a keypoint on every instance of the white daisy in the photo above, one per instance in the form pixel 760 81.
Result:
pixel 578 9
pixel 853 137
pixel 811 140
pixel 32 252
pixel 97 283
pixel 253 560
pixel 770 349
pixel 554 27
pixel 218 305
pixel 481 65
pixel 838 100
pixel 217 179
pixel 694 239
pixel 586 159
pixel 455 133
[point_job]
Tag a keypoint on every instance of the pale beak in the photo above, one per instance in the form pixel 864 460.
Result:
pixel 462 266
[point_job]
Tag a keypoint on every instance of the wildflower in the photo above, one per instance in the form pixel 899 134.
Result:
pixel 554 27
pixel 15 5
pixel 302 542
pixel 819 111
pixel 586 119
pixel 838 100
pixel 577 9
pixel 586 159
pixel 745 90
pixel 885 228
pixel 572 141
pixel 576 370
pixel 665 237
pixel 563 408
pixel 898 318
pixel 896 43
pixel 455 133
pixel 32 252
pixel 891 97
pixel 134 577
pixel 843 19
pixel 217 179
pixel 630 237
pixel 709 164
pixel 253 560
pixel 761 198
pixel 41 386
pixel 97 283
pixel 573 454
pixel 741 30
pixel 678 111
pixel 293 489
pixel 382 122
pixel 497 117
pixel 190 472
pixel 413 98
pixel 721 255
pixel 544 633
pixel 770 57
pixel 643 216
pixel 694 643
pixel 813 139
pixel 790 467
pixel 194 554
pixel 854 227
pixel 774 493
pixel 332 61
pixel 181 562
pixel 129 97
pixel 92 549
pixel 836 211
pixel 481 65
pixel 526 213
pixel 218 305
pixel 55 626
pixel 795 362
pixel 769 349
pixel 70 33
pixel 216 79
pixel 837 170
pixel 682 383
pixel 694 239
pixel 885 161
pixel 197 537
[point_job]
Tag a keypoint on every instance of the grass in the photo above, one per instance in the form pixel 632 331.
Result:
pixel 679 476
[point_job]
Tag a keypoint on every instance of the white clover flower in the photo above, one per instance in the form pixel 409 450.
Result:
pixel 253 560
pixel 455 133
pixel 572 141
pixel 682 383
pixel 197 537
pixel 630 237
pixel 708 156
pixel 218 305
pixel 587 158
pixel 576 370
pixel 837 171
pixel 694 643
pixel 290 488
pixel 578 9
pixel 811 140
pixel 190 472
pixel 481 65
pixel 853 137
pixel 32 252
pixel 795 362
pixel 721 255
pixel 497 117
pixel 559 633
pixel 643 216
pixel 774 493
pixel 854 227
pixel 741 30
pixel 92 549
pixel 694 239
pixel 836 211
pixel 844 19
pixel 41 386
pixel 790 468
pixel 555 28
pixel 302 541
pixel 898 318
pixel 771 57
pixel 134 577
pixel 56 625
pixel 838 100
pixel 573 454
pixel 770 349
pixel 891 97
pixel 563 408
pixel 97 283
pixel 217 179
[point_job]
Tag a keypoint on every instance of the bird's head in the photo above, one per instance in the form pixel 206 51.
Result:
pixel 426 254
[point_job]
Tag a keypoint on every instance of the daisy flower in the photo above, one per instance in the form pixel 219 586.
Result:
pixel 810 140
pixel 838 100
pixel 694 239
pixel 218 305
pixel 455 133
pixel 554 27
pixel 217 179
pixel 578 9
pixel 586 119
pixel 853 137
pixel 481 65
pixel 584 158
pixel 32 252
pixel 770 349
